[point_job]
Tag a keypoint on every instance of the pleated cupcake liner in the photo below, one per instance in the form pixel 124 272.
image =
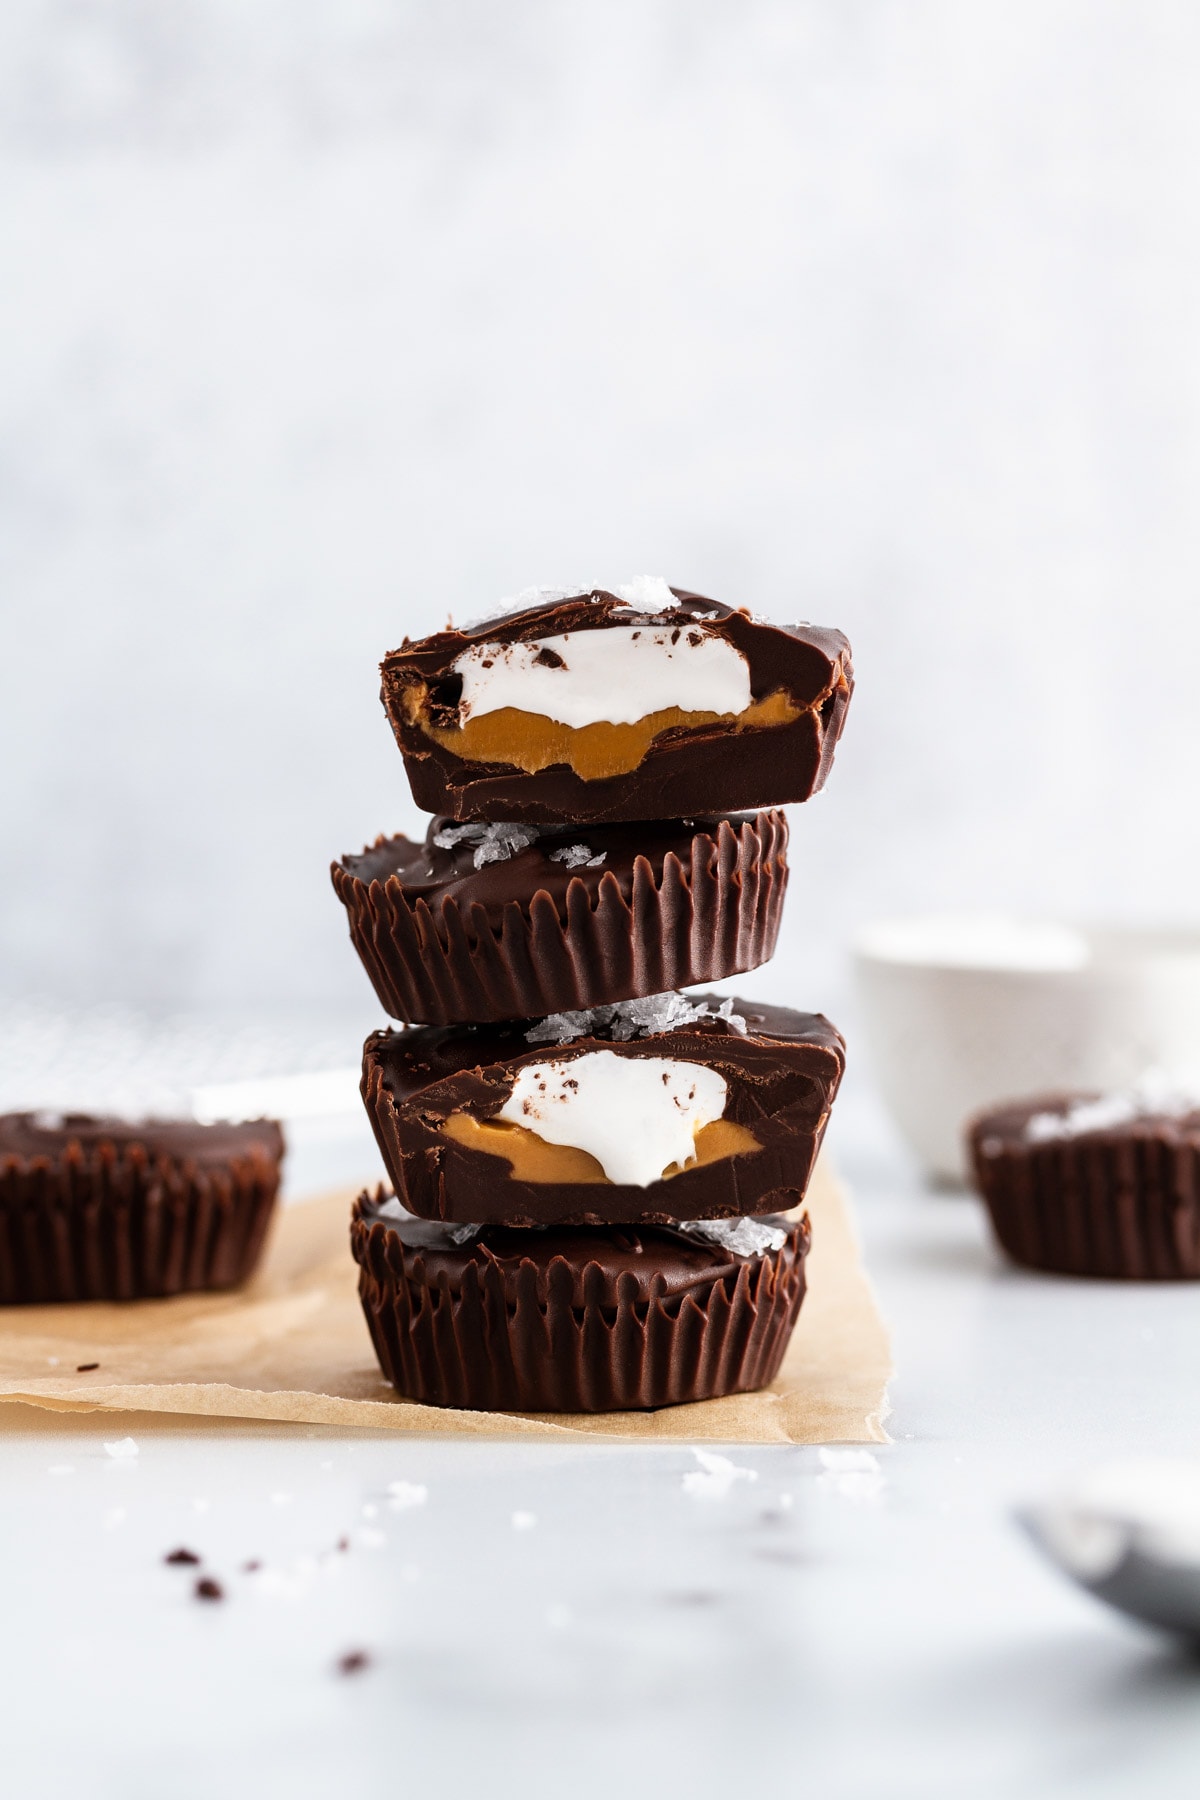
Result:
pixel 1126 1209
pixel 102 1226
pixel 517 1342
pixel 710 916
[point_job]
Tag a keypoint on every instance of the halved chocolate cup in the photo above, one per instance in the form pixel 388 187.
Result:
pixel 673 762
pixel 430 1089
pixel 573 1321
pixel 457 931
pixel 102 1209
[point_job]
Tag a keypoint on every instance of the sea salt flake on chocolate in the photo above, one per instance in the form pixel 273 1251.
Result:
pixel 577 856
pixel 744 1237
pixel 522 602
pixel 493 843
pixel 630 1019
pixel 1154 1096
pixel 461 1234
pixel 647 594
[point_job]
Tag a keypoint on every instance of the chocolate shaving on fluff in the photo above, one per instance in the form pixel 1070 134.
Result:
pixel 630 1019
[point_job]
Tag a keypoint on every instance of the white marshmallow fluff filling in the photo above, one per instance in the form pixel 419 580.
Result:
pixel 616 675
pixel 635 1114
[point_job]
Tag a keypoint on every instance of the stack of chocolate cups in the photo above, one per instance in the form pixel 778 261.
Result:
pixel 598 1179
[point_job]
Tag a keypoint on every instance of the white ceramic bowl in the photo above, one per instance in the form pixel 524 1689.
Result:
pixel 961 1012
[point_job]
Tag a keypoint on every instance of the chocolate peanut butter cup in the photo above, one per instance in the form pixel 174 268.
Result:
pixel 596 707
pixel 482 923
pixel 1105 1185
pixel 104 1209
pixel 654 1110
pixel 607 1320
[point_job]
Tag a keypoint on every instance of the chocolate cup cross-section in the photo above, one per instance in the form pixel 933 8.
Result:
pixel 674 763
pixel 574 918
pixel 573 1321
pixel 419 1085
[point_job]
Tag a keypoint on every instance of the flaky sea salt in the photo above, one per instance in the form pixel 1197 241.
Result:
pixel 1154 1096
pixel 851 1474
pixel 578 856
pixel 630 1019
pixel 715 1477
pixel 647 594
pixel 493 843
pixel 522 602
pixel 403 1495
pixel 744 1237
pixel 122 1449
pixel 644 593
pixel 461 1234
pixel 524 1521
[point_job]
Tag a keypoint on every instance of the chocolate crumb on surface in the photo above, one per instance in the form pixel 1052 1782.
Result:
pixel 353 1662
pixel 85 1368
pixel 252 1567
pixel 182 1556
pixel 208 1589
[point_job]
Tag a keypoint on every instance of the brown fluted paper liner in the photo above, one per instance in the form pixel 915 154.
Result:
pixel 293 1345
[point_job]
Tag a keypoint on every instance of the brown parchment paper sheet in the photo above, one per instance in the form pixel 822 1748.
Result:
pixel 293 1346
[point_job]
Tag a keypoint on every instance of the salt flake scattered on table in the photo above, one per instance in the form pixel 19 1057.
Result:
pixel 371 1538
pixel 124 1447
pixel 405 1494
pixel 524 1521
pixel 715 1477
pixel 852 1474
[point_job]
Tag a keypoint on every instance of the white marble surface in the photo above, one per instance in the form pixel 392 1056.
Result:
pixel 858 1636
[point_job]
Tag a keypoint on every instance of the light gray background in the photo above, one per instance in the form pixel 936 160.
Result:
pixel 318 321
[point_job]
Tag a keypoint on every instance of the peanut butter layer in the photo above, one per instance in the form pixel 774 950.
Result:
pixel 532 742
pixel 531 1158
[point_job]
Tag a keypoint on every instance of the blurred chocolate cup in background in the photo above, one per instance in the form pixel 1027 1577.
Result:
pixel 962 1012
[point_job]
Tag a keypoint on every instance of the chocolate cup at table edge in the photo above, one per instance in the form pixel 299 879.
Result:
pixel 1121 1202
pixel 107 1209
pixel 707 769
pixel 782 1077
pixel 574 1321
pixel 672 903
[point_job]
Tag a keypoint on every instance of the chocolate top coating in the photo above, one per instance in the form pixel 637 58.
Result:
pixel 431 872
pixel 47 1136
pixel 801 658
pixel 644 1261
pixel 1005 1126
pixel 414 1059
